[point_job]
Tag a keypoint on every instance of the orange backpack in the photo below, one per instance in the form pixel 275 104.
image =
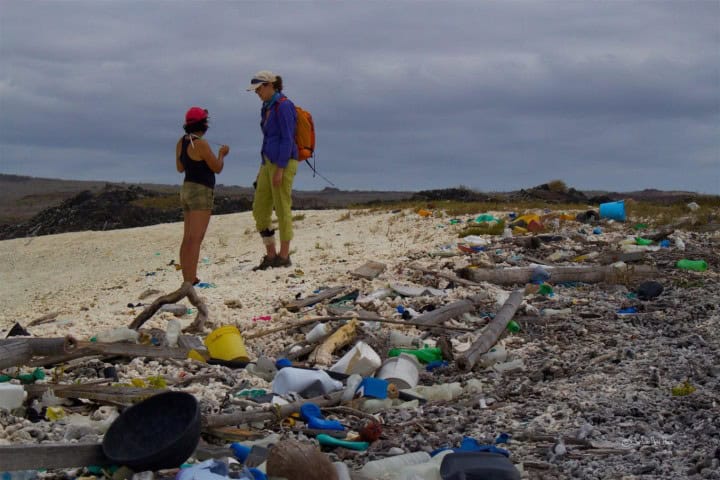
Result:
pixel 304 133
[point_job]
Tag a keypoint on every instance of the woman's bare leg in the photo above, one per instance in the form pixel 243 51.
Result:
pixel 196 223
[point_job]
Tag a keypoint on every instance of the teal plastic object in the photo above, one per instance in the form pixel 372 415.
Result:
pixel 328 441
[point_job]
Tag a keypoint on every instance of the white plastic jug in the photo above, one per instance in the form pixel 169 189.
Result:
pixel 172 333
pixel 290 379
pixel 11 395
pixel 399 339
pixel 360 359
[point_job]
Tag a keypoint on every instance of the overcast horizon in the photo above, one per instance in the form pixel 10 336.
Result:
pixel 496 96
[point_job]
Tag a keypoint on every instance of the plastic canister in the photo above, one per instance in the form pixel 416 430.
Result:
pixel 403 371
pixel 613 210
pixel 11 395
pixel 226 343
pixel 360 359
pixel 386 467
pixel 290 379
pixel 119 334
pixel 476 465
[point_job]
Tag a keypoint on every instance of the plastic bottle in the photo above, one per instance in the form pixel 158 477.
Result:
pixel 378 469
pixel 513 326
pixel 694 265
pixel 318 332
pixel 172 333
pixel 507 233
pixel 291 379
pixel 425 355
pixel 376 295
pixel 424 471
pixel 120 334
pixel 442 391
pixel 343 472
pixel 174 308
pixel 680 244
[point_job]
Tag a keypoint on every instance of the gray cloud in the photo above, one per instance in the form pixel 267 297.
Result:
pixel 405 95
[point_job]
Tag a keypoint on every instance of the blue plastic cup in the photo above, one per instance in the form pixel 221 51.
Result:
pixel 613 210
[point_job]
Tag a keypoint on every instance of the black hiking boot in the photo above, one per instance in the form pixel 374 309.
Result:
pixel 266 263
pixel 281 262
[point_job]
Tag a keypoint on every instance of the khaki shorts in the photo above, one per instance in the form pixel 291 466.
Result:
pixel 194 196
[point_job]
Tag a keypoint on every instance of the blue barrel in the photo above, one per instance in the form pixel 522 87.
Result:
pixel 613 210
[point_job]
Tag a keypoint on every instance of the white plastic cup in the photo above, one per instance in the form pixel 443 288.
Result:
pixel 11 395
pixel 360 359
pixel 290 379
pixel 403 371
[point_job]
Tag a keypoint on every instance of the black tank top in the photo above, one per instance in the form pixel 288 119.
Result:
pixel 196 172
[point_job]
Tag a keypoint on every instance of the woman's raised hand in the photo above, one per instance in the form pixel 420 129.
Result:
pixel 224 150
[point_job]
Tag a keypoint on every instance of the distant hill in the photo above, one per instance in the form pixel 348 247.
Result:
pixel 23 197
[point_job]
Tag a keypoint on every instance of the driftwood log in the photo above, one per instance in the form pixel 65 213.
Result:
pixel 61 455
pixel 185 290
pixel 492 332
pixel 19 351
pixel 593 274
pixel 446 312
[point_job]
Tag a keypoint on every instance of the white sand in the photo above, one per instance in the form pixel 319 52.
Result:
pixel 90 277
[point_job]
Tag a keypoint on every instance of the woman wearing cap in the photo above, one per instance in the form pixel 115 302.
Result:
pixel 194 156
pixel 277 169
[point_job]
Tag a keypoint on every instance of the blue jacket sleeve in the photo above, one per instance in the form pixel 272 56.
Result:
pixel 286 121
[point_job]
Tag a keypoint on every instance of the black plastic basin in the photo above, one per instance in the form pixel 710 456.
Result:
pixel 159 432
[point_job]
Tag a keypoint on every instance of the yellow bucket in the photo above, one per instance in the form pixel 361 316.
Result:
pixel 226 343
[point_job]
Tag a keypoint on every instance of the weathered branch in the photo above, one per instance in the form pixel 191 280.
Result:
pixel 296 305
pixel 492 332
pixel 448 311
pixel 185 290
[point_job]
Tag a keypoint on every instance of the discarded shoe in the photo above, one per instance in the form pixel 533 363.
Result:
pixel 266 263
pixel 281 262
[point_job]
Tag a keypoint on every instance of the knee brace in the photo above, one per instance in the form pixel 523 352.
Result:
pixel 268 236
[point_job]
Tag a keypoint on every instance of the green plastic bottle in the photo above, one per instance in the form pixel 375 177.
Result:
pixel 424 355
pixel 695 265
pixel 643 241
pixel 513 326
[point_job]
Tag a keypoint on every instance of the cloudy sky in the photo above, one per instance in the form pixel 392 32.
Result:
pixel 405 95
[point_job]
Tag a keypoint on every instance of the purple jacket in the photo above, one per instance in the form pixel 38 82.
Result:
pixel 278 127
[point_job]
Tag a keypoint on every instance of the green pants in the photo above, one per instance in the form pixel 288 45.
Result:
pixel 268 197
